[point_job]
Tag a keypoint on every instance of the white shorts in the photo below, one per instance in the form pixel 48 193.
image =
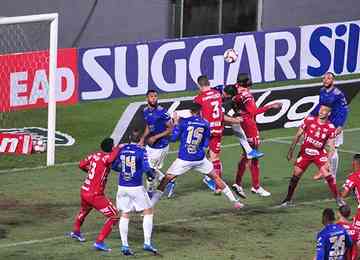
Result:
pixel 130 198
pixel 157 156
pixel 339 139
pixel 179 167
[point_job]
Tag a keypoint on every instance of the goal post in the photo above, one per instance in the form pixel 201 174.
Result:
pixel 53 19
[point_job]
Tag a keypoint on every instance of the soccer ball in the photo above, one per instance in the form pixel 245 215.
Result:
pixel 230 55
pixel 39 146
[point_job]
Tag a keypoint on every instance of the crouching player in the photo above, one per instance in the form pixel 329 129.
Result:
pixel 194 133
pixel 97 165
pixel 318 132
pixel 131 163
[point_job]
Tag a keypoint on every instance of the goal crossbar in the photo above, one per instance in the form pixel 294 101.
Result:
pixel 53 19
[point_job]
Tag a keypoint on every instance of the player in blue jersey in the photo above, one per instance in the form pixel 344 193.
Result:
pixel 333 241
pixel 156 136
pixel 131 163
pixel 332 97
pixel 194 134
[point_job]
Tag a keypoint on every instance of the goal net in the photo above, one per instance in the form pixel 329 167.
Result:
pixel 28 56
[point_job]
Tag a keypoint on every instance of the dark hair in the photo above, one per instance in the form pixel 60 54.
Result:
pixel 195 107
pixel 135 136
pixel 107 145
pixel 332 74
pixel 243 79
pixel 328 215
pixel 357 157
pixel 203 81
pixel 151 91
pixel 230 90
pixel 345 211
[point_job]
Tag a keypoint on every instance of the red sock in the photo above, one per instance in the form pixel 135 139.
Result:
pixel 218 169
pixel 255 173
pixel 79 220
pixel 332 185
pixel 241 170
pixel 106 229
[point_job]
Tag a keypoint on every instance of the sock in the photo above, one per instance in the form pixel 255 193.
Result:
pixel 332 185
pixel 334 162
pixel 255 173
pixel 80 218
pixel 218 169
pixel 292 185
pixel 156 197
pixel 106 229
pixel 227 192
pixel 240 171
pixel 147 227
pixel 239 132
pixel 124 229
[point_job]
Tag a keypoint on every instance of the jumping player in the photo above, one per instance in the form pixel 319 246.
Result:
pixel 318 132
pixel 333 97
pixel 156 135
pixel 131 163
pixel 97 165
pixel 247 109
pixel 333 241
pixel 194 134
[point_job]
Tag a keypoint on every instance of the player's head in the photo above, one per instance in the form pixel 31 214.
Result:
pixel 107 145
pixel 328 216
pixel 135 136
pixel 229 91
pixel 356 162
pixel 328 79
pixel 243 80
pixel 195 108
pixel 345 211
pixel 152 97
pixel 324 112
pixel 203 81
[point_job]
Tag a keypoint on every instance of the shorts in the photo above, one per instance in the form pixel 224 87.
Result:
pixel 157 156
pixel 99 202
pixel 339 139
pixel 303 161
pixel 215 143
pixel 130 198
pixel 179 167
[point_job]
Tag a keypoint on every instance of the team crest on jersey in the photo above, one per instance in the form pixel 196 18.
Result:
pixel 39 133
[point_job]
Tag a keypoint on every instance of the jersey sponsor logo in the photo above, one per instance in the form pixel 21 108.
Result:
pixel 311 152
pixel 39 133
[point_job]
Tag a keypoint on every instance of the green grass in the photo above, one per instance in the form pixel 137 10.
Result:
pixel 41 203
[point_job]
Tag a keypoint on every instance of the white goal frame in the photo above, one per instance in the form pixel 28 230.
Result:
pixel 53 18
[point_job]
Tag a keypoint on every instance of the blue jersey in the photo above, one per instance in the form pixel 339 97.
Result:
pixel 332 243
pixel 156 119
pixel 194 133
pixel 131 162
pixel 337 101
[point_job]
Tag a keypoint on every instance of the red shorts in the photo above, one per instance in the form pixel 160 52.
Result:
pixel 304 160
pixel 98 202
pixel 215 143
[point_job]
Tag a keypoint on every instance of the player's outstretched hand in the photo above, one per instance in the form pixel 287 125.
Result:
pixel 176 118
pixel 151 140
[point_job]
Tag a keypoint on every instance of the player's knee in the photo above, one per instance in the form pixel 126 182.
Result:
pixel 148 211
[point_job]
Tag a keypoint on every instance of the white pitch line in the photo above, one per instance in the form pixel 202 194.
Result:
pixel 178 221
pixel 275 139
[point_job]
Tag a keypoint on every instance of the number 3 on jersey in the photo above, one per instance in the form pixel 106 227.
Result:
pixel 216 109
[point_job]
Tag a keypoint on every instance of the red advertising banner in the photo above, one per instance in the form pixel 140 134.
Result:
pixel 15 143
pixel 24 79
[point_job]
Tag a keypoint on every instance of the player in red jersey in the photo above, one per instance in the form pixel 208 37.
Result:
pixel 92 195
pixel 354 232
pixel 352 183
pixel 318 132
pixel 248 111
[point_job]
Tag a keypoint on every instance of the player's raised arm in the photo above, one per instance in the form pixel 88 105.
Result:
pixel 176 130
pixel 85 163
pixel 294 142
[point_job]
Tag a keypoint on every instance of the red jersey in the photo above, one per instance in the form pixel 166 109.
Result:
pixel 98 167
pixel 316 135
pixel 353 183
pixel 211 109
pixel 354 233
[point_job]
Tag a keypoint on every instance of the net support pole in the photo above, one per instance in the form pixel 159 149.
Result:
pixel 50 158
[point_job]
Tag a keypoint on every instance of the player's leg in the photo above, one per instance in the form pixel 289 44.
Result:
pixel 250 151
pixel 214 153
pixel 296 175
pixel 241 167
pixel 104 205
pixel 85 209
pixel 334 160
